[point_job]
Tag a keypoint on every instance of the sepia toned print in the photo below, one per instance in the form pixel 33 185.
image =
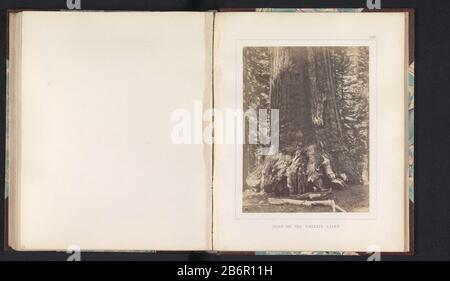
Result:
pixel 322 162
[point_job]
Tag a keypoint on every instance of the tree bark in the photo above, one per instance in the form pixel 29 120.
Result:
pixel 303 88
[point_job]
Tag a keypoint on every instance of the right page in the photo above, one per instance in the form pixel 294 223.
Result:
pixel 310 132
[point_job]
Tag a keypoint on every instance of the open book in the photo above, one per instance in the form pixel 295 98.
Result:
pixel 221 131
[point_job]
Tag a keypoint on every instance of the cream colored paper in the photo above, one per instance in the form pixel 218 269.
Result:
pixel 97 166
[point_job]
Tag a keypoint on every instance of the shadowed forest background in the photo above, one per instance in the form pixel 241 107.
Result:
pixel 322 94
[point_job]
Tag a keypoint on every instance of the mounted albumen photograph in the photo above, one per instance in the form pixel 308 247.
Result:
pixel 321 163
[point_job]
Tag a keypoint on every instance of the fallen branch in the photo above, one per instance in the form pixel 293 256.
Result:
pixel 306 203
pixel 312 195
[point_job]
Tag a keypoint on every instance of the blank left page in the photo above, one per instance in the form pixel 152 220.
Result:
pixel 98 167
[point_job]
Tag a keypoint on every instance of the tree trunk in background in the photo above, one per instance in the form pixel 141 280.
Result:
pixel 303 88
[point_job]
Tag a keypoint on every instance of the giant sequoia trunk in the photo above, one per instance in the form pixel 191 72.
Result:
pixel 303 88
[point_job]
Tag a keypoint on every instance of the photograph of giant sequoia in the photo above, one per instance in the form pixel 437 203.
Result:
pixel 322 161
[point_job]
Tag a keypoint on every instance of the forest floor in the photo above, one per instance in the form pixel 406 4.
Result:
pixel 353 198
